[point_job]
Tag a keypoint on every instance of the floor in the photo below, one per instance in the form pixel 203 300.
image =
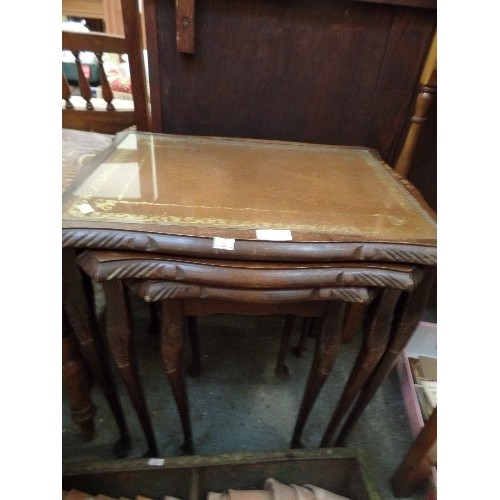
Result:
pixel 238 404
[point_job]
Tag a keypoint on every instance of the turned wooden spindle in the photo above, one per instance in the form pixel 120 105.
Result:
pixel 76 384
pixel 424 100
pixel 66 92
pixel 107 93
pixel 83 83
pixel 78 309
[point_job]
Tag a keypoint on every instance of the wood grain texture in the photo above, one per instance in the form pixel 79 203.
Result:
pixel 115 239
pixel 105 122
pixel 421 4
pixel 93 42
pixel 151 34
pixel 341 73
pixel 106 265
pixel 153 291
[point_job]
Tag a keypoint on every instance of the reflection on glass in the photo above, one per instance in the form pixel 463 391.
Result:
pixel 112 180
pixel 182 181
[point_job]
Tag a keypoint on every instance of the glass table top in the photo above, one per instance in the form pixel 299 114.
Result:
pixel 204 186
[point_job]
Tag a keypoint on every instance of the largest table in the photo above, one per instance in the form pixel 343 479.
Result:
pixel 249 200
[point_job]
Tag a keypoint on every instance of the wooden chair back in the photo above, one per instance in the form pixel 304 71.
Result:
pixel 108 119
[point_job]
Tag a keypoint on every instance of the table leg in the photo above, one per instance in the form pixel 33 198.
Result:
pixel 327 348
pixel 407 316
pixel 194 368
pixel 379 322
pixel 421 457
pixel 307 331
pixel 80 315
pixel 120 340
pixel 172 350
pixel 76 385
pixel 353 319
pixel 281 370
pixel 154 323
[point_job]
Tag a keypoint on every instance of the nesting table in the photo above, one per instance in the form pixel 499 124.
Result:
pixel 207 224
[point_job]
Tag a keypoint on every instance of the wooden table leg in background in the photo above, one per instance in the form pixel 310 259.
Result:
pixel 281 370
pixel 307 331
pixel 327 348
pixel 407 316
pixel 353 318
pixel 194 368
pixel 81 317
pixel 76 384
pixel 172 351
pixel 416 467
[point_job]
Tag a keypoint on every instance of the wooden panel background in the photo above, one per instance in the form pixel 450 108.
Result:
pixel 323 71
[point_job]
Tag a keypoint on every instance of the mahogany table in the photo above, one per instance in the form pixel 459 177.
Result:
pixel 254 202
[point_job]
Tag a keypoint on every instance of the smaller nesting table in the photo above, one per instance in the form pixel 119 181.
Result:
pixel 196 287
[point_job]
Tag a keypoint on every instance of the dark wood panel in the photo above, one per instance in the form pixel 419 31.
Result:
pixel 421 4
pixel 339 72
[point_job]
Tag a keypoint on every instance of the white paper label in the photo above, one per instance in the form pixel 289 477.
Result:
pixel 156 461
pixel 85 208
pixel 274 234
pixel 223 243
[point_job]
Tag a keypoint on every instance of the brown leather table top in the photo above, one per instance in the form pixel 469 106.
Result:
pixel 200 186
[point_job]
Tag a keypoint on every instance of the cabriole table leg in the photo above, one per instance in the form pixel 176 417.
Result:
pixel 119 333
pixel 281 370
pixel 379 322
pixel 327 348
pixel 172 350
pixel 407 316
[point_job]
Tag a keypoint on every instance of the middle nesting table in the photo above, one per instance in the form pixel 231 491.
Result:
pixel 196 287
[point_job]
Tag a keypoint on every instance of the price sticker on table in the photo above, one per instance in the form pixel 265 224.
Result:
pixel 274 234
pixel 85 208
pixel 223 243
